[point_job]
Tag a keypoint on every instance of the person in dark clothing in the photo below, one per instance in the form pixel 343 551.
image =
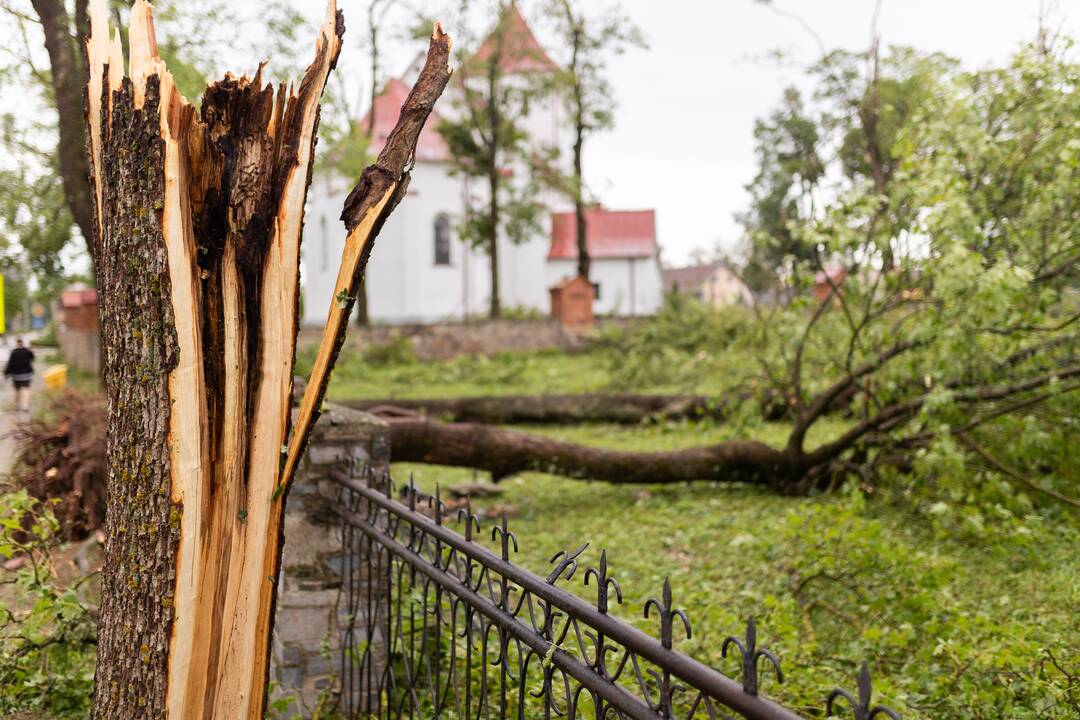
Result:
pixel 20 368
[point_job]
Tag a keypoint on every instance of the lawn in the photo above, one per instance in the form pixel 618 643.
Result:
pixel 960 619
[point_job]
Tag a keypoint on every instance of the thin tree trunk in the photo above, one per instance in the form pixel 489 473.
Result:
pixel 199 217
pixel 495 307
pixel 68 93
pixel 583 263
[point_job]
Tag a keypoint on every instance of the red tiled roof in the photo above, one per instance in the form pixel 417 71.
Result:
pixel 608 234
pixel 429 148
pixel 78 297
pixel 521 51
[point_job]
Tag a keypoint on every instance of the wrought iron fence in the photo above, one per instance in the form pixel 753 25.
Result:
pixel 438 626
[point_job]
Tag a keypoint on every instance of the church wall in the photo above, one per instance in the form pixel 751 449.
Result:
pixel 627 287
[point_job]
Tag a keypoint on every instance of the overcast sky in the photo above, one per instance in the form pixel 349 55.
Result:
pixel 683 141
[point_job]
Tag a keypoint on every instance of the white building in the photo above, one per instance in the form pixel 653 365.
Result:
pixel 624 261
pixel 421 272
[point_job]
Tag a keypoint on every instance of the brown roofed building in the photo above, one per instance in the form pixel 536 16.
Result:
pixel 712 283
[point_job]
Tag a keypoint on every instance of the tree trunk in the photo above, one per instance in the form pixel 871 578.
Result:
pixel 199 216
pixel 68 93
pixel 363 317
pixel 583 262
pixel 625 409
pixel 505 452
pixel 494 308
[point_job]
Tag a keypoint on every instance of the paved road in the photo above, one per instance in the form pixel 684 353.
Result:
pixel 9 417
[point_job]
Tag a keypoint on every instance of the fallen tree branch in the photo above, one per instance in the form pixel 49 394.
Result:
pixel 1012 473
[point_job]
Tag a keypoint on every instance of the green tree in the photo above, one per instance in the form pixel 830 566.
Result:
pixel 585 92
pixel 847 136
pixel 487 142
pixel 783 193
pixel 47 204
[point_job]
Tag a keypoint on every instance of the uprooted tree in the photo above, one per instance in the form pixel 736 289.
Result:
pixel 198 221
pixel 947 301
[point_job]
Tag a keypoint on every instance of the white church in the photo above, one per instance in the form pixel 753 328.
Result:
pixel 421 272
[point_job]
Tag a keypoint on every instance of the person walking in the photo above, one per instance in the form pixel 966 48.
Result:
pixel 20 368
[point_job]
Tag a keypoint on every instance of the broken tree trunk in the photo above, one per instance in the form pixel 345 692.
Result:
pixel 199 215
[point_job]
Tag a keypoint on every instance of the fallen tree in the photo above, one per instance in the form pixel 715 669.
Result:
pixel 198 215
pixel 789 469
pixel 561 409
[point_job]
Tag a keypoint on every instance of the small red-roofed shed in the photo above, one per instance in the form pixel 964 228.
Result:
pixel 572 302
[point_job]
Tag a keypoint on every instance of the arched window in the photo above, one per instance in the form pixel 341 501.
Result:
pixel 442 239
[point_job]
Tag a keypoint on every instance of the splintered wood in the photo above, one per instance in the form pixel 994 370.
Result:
pixel 199 215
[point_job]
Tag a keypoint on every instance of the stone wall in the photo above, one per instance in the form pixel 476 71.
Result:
pixel 442 341
pixel 311 617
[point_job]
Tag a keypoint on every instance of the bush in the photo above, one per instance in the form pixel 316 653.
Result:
pixel 684 341
pixel 398 351
pixel 851 586
pixel 47 638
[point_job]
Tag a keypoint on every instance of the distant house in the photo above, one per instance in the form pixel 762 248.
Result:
pixel 421 271
pixel 712 283
pixel 828 280
pixel 624 258
pixel 76 315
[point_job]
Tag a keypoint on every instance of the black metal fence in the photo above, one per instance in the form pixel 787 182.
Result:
pixel 441 627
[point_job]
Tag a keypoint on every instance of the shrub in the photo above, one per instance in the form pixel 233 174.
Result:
pixel 47 638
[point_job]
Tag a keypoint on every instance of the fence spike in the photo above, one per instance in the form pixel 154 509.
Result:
pixel 861 707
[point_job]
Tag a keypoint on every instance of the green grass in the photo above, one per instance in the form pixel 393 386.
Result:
pixel 958 615
pixel 942 611
pixel 511 374
pixel 958 618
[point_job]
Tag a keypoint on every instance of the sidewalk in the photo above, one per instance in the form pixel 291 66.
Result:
pixel 9 417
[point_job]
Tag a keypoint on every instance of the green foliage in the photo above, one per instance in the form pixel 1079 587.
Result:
pixel 851 131
pixel 47 638
pixel 35 223
pixel 589 41
pixel 685 341
pixel 344 145
pixel 787 146
pixel 398 351
pixel 954 629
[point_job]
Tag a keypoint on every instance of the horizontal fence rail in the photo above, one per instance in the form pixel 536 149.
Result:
pixel 438 626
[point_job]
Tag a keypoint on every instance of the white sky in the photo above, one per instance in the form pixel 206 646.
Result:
pixel 683 140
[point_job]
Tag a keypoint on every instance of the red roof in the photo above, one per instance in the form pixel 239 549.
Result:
pixel 430 147
pixel 521 51
pixel 608 234
pixel 77 297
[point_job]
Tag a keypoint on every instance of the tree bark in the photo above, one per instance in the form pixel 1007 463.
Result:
pixel 198 219
pixel 505 452
pixel 583 261
pixel 626 409
pixel 68 93
pixel 494 306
